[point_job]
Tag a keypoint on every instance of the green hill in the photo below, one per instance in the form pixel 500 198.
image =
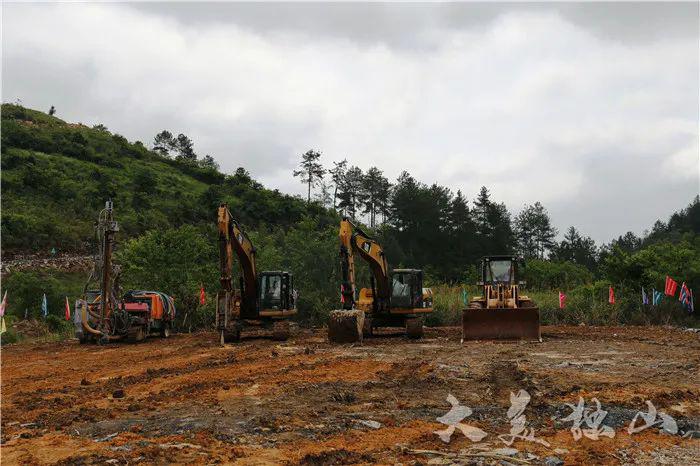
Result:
pixel 56 176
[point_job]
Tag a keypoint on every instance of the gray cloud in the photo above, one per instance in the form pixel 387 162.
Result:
pixel 590 108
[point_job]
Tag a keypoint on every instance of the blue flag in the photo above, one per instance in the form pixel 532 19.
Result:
pixel 657 297
pixel 465 297
pixel 44 307
pixel 645 298
pixel 692 302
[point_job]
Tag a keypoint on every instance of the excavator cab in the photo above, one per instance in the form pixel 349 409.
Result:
pixel 277 292
pixel 501 312
pixel 407 288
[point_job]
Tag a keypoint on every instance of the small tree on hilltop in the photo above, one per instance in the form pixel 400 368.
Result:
pixel 185 148
pixel 163 143
pixel 311 171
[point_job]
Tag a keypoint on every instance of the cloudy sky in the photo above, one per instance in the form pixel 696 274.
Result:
pixel 591 109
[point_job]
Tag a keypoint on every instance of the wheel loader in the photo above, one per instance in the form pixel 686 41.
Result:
pixel 502 311
pixel 265 299
pixel 395 298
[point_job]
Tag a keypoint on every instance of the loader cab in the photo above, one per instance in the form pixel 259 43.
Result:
pixel 499 270
pixel 407 288
pixel 277 291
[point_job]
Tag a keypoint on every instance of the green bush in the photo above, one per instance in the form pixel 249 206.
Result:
pixel 177 262
pixel 26 290
pixel 546 275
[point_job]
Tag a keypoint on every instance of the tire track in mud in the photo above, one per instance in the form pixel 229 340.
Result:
pixel 301 402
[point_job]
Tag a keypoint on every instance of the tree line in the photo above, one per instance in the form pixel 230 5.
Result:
pixel 430 226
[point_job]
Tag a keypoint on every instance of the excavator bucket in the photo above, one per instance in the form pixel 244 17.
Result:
pixel 345 326
pixel 501 324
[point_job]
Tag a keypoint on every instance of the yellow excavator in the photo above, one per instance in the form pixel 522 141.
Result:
pixel 266 299
pixel 395 298
pixel 502 311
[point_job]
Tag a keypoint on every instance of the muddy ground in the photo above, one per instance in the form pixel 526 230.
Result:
pixel 305 401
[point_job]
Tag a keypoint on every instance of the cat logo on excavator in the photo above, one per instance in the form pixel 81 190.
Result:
pixel 501 312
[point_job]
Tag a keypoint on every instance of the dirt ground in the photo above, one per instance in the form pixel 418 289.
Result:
pixel 186 400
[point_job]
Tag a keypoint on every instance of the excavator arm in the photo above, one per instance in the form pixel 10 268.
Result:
pixel 233 239
pixel 354 240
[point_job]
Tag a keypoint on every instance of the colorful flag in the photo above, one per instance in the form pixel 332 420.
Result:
pixel 44 306
pixel 67 309
pixel 465 297
pixel 611 296
pixel 692 302
pixel 684 297
pixel 3 304
pixel 671 286
pixel 202 296
pixel 342 295
pixel 657 296
pixel 562 300
pixel 645 298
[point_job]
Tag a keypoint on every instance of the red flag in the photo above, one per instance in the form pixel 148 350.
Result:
pixel 67 309
pixel 611 296
pixel 202 296
pixel 562 300
pixel 670 286
pixel 342 296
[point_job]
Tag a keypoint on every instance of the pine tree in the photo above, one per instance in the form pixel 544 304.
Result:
pixel 384 199
pixel 576 248
pixel 311 171
pixel 373 182
pixel 337 177
pixel 501 239
pixel 482 206
pixel 163 143
pixel 534 231
pixel 185 148
pixel 349 192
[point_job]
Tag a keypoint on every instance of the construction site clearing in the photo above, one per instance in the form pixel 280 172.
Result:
pixel 186 400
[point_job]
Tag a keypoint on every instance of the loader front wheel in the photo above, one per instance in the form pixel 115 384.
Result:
pixel 414 328
pixel 165 330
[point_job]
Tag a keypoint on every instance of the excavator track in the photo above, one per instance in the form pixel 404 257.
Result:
pixel 414 327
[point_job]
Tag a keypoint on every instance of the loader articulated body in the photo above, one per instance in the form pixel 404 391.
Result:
pixel 395 298
pixel 266 299
pixel 502 311
pixel 133 316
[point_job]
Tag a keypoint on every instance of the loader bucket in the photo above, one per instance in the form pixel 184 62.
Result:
pixel 501 324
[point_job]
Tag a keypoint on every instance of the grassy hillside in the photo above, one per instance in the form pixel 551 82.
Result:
pixel 56 176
